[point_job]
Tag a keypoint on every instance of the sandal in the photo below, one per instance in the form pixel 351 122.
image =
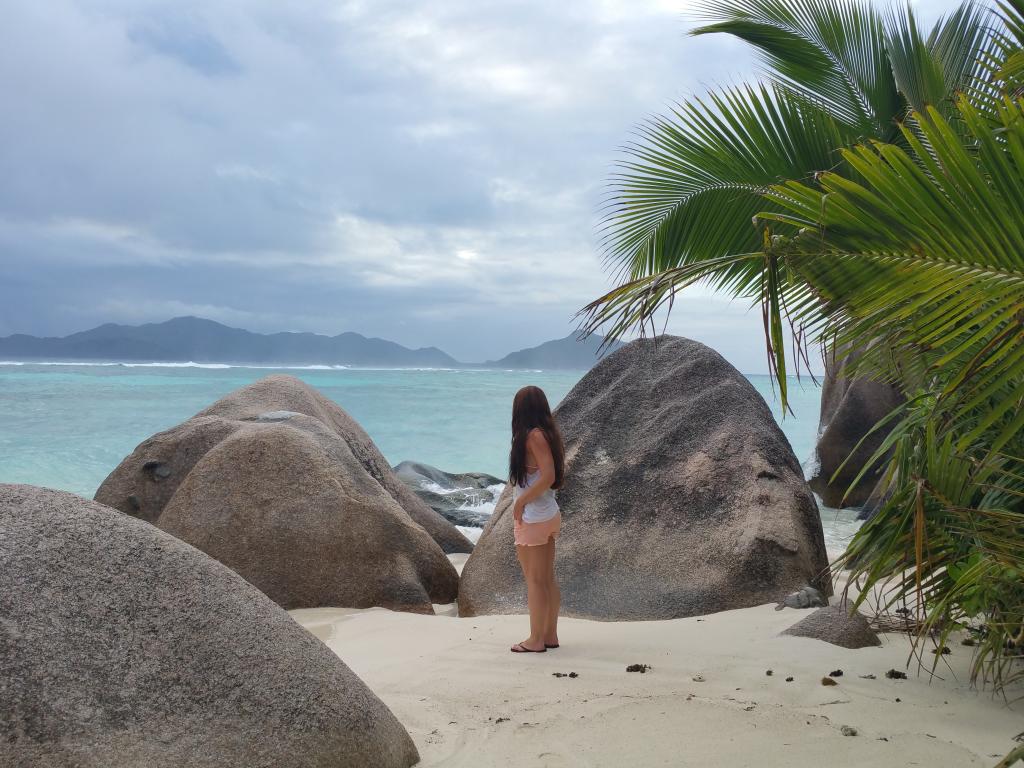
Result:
pixel 520 648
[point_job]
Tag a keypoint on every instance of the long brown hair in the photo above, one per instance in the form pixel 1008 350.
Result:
pixel 530 410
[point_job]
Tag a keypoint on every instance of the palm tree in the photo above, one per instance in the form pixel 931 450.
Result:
pixel 907 247
pixel 836 73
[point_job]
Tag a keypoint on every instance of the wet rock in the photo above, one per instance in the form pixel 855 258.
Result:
pixel 466 499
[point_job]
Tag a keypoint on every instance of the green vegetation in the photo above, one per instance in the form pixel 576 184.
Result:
pixel 883 170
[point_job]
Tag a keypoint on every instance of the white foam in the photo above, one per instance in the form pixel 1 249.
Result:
pixel 480 500
pixel 187 364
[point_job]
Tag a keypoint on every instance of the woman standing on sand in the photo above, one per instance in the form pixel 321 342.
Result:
pixel 536 465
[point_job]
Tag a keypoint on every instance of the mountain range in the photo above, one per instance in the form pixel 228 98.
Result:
pixel 195 339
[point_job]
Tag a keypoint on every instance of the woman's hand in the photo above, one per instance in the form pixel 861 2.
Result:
pixel 517 509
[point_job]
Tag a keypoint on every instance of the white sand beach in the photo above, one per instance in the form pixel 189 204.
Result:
pixel 467 701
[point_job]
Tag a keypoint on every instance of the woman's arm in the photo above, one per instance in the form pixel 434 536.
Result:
pixel 536 446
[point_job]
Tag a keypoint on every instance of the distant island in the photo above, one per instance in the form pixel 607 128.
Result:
pixel 567 353
pixel 194 339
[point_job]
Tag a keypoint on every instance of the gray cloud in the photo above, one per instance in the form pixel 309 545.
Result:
pixel 430 173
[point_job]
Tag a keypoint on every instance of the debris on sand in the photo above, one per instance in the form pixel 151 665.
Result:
pixel 698 678
pixel 943 651
pixel 638 668
pixel 768 672
pixel 836 673
pixel 828 681
pixel 848 730
pixel 895 674
pixel 565 674
pixel 789 679
pixel 868 677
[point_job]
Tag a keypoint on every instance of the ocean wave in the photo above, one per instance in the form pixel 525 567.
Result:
pixel 253 366
pixel 471 533
pixel 188 364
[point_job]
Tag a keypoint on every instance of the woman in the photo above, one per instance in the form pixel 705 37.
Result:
pixel 535 468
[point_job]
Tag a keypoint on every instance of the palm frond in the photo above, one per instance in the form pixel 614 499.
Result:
pixel 696 174
pixel 828 53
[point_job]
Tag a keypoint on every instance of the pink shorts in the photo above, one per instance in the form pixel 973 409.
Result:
pixel 537 534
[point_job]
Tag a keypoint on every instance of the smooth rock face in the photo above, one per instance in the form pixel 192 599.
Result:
pixel 282 486
pixel 834 624
pixel 123 646
pixel 849 409
pixel 462 499
pixel 682 497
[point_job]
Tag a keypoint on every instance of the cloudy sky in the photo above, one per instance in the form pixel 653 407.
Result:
pixel 427 172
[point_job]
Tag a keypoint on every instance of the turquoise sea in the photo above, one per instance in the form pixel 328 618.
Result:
pixel 68 425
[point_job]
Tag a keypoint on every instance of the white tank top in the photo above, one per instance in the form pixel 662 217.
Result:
pixel 539 510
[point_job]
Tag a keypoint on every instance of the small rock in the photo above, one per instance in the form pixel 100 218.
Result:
pixel 838 626
pixel 836 673
pixel 868 677
pixel 768 672
pixel 895 674
pixel 698 678
pixel 898 699
pixel 848 730
pixel 807 597
pixel 789 679
pixel 828 681
pixel 638 668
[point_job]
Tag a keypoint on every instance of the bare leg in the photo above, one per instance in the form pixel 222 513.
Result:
pixel 554 595
pixel 532 561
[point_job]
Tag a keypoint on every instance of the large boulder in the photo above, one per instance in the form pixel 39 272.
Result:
pixel 837 625
pixel 282 486
pixel 121 645
pixel 466 498
pixel 682 497
pixel 850 408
